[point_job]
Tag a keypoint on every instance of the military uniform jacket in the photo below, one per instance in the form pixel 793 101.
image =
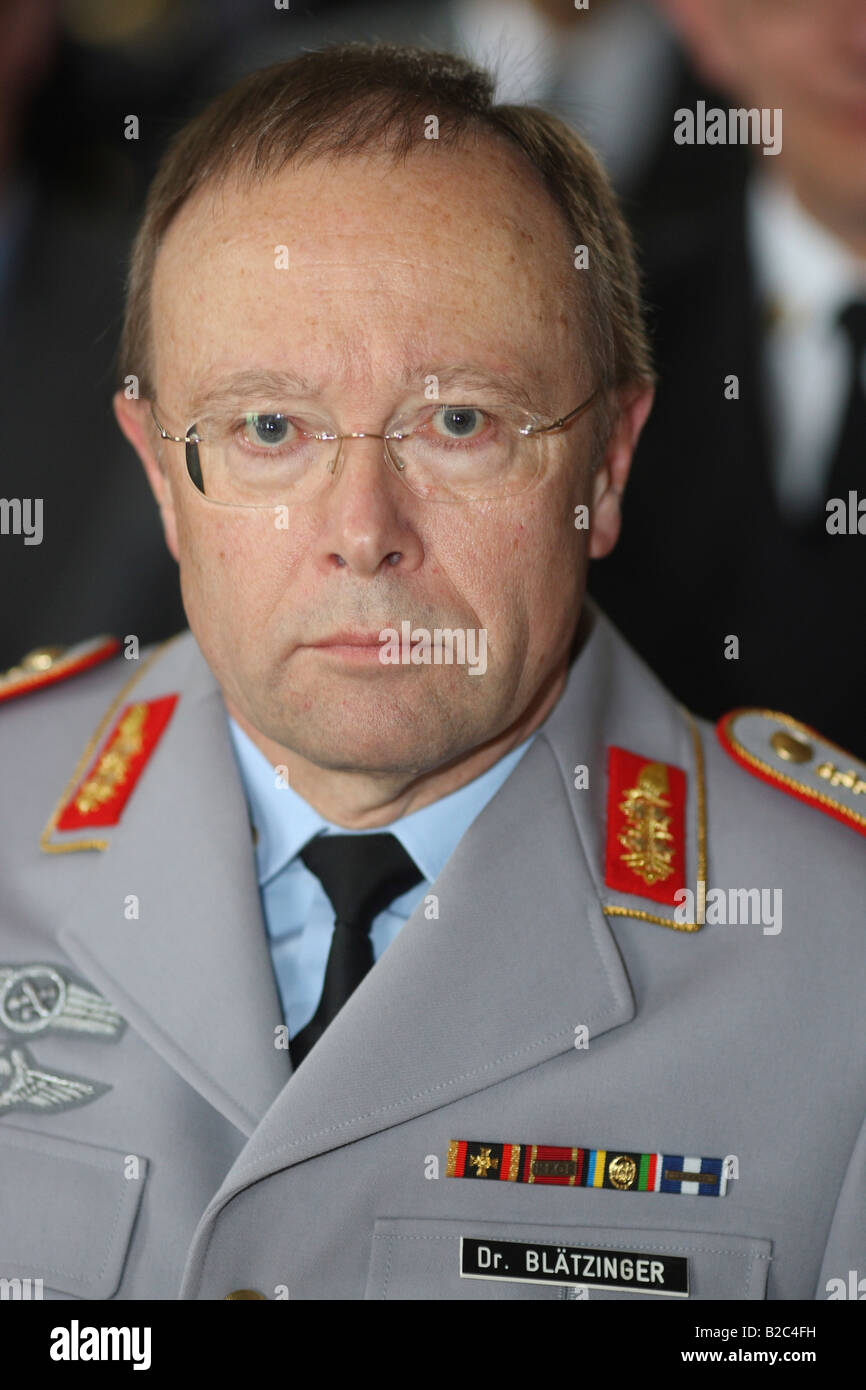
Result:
pixel 512 1090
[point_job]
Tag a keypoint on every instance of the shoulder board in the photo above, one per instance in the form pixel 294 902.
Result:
pixel 782 751
pixel 47 665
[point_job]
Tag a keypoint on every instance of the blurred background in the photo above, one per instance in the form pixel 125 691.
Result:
pixel 755 282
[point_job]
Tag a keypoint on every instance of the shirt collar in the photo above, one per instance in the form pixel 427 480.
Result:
pixel 284 821
pixel 803 271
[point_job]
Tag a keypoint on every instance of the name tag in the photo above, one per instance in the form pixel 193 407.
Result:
pixel 526 1262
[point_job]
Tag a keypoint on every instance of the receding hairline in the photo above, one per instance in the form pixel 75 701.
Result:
pixel 238 177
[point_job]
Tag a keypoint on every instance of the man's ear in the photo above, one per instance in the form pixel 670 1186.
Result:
pixel 610 478
pixel 136 422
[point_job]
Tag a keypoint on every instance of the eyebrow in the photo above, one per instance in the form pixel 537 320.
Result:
pixel 238 386
pixel 247 385
pixel 523 388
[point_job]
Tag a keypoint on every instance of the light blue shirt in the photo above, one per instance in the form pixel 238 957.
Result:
pixel 298 914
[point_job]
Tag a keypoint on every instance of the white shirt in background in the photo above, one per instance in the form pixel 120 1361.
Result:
pixel 805 276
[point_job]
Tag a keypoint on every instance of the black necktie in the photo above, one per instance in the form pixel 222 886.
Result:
pixel 848 469
pixel 362 875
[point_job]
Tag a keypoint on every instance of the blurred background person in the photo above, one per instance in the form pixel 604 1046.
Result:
pixel 766 283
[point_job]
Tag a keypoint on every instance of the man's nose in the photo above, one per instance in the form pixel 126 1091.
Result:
pixel 368 514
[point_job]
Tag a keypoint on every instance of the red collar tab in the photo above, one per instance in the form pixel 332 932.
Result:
pixel 646 843
pixel 99 799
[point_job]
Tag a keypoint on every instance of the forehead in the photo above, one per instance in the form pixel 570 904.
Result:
pixel 358 265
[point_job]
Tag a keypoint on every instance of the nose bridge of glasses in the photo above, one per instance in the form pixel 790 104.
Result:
pixel 337 455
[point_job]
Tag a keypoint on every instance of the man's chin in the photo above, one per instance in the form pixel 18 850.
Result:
pixel 339 750
pixel 377 729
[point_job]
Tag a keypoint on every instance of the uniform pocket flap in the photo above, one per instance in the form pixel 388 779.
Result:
pixel 67 1210
pixel 423 1259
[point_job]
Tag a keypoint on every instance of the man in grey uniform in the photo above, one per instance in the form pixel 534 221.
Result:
pixel 393 933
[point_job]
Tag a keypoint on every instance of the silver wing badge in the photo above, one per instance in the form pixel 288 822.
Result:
pixel 23 1085
pixel 41 998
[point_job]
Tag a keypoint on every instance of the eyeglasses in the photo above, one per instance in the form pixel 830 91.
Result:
pixel 443 453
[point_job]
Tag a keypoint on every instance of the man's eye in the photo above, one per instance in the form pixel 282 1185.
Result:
pixel 458 421
pixel 267 430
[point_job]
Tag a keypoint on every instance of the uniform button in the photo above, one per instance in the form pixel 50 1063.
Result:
pixel 792 750
pixel 245 1293
pixel 42 658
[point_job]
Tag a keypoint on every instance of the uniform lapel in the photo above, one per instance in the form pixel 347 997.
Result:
pixel 521 953
pixel 192 973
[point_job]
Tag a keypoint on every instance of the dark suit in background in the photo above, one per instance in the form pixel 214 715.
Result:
pixel 705 551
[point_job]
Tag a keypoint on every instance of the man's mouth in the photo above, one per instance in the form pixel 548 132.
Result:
pixel 350 638
pixel 349 644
